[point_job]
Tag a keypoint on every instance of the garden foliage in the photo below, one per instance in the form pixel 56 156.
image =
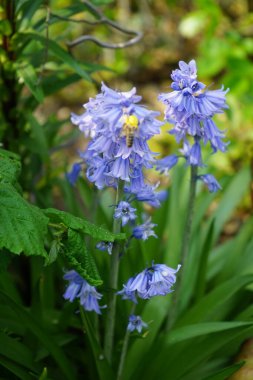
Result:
pixel 75 225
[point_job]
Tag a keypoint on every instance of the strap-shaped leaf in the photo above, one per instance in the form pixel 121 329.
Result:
pixel 82 225
pixel 225 372
pixel 43 336
pixel 56 50
pixel 29 76
pixel 78 257
pixel 23 226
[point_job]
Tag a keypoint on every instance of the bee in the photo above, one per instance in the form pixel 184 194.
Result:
pixel 129 129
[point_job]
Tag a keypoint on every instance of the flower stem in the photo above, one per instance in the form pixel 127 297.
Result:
pixel 185 243
pixel 113 278
pixel 124 350
pixel 189 217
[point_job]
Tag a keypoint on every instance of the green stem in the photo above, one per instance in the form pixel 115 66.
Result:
pixel 124 350
pixel 113 282
pixel 185 244
pixel 189 217
pixel 102 365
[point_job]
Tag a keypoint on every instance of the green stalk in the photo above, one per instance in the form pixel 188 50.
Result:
pixel 103 368
pixel 189 217
pixel 113 282
pixel 185 244
pixel 124 350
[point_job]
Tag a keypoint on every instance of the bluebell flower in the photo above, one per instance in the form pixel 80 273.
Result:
pixel 162 195
pixel 212 134
pixel 73 175
pixel 79 288
pixel 156 280
pixel 85 123
pixel 74 287
pixel 148 194
pixel 190 108
pixel 125 212
pixel 144 231
pixel 126 293
pixel 212 184
pixel 194 156
pixel 105 246
pixel 165 164
pixel 136 323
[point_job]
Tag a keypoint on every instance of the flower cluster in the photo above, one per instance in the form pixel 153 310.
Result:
pixel 118 150
pixel 79 288
pixel 190 107
pixel 156 280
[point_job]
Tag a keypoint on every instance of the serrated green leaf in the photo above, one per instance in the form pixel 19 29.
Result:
pixel 10 167
pixel 78 257
pixel 30 79
pixel 82 225
pixel 225 372
pixel 23 226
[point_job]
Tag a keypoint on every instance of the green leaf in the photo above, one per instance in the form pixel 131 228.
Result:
pixel 199 329
pixel 5 259
pixel 238 186
pixel 46 339
pixel 214 300
pixel 202 267
pixel 78 257
pixel 5 27
pixel 53 253
pixel 225 372
pixel 16 369
pixel 82 225
pixel 38 143
pixel 10 167
pixel 103 367
pixel 28 8
pixel 30 79
pixel 14 350
pixel 43 376
pixel 60 53
pixel 155 310
pixel 23 226
pixel 54 83
pixel 182 358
